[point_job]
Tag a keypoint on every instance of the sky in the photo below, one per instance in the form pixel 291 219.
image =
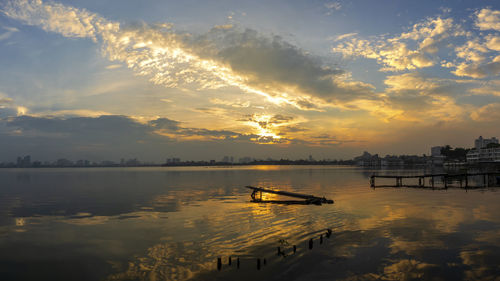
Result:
pixel 104 80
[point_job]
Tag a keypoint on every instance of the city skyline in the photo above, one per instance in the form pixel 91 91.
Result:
pixel 288 79
pixel 484 150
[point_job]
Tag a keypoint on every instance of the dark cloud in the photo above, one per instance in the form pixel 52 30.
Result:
pixel 5 101
pixel 480 70
pixel 165 123
pixel 111 137
pixel 270 61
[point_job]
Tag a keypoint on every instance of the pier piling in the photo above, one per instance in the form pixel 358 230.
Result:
pixel 484 179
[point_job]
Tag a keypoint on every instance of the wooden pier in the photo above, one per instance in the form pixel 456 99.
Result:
pixel 464 180
pixel 308 199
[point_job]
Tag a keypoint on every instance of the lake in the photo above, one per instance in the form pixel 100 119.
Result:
pixel 174 223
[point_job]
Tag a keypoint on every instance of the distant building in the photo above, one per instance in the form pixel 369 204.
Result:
pixel 482 143
pixel 393 161
pixel 367 160
pixel 482 152
pixel 245 160
pixel 436 150
pixel 436 159
pixel 228 159
pixel 24 162
pixel 484 155
pixel 63 162
pixel 173 161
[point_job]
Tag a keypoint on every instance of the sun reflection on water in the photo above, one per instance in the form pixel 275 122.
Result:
pixel 178 222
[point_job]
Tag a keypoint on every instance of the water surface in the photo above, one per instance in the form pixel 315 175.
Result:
pixel 173 224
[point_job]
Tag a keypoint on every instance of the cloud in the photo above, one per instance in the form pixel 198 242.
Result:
pixel 472 51
pixel 487 19
pixel 113 66
pixel 4 101
pixel 236 104
pixel 491 87
pixel 332 7
pixel 487 113
pixel 273 128
pixel 493 42
pixel 266 66
pixel 224 26
pixel 476 70
pixel 10 108
pixel 55 17
pixel 344 36
pixel 10 31
pixel 417 48
pixel 480 55
pixel 424 98
pixel 113 132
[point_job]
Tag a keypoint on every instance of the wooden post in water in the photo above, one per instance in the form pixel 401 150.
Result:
pixel 229 261
pixel 258 264
pixel 466 180
pixel 310 244
pixel 219 263
pixel 294 249
pixel 238 263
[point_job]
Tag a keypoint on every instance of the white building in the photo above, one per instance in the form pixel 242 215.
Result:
pixel 482 154
pixel 482 143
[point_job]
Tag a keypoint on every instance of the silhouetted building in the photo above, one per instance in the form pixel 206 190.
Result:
pixel 64 162
pixel 436 150
pixel 391 161
pixel 227 159
pixel 24 162
pixel 245 160
pixel 368 160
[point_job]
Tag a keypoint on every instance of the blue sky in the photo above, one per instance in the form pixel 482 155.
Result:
pixel 258 78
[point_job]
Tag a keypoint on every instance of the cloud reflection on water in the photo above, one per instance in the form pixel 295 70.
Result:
pixel 177 222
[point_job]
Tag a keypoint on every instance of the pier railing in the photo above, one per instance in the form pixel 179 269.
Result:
pixel 464 180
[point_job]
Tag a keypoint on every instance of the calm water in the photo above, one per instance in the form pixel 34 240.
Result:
pixel 173 223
